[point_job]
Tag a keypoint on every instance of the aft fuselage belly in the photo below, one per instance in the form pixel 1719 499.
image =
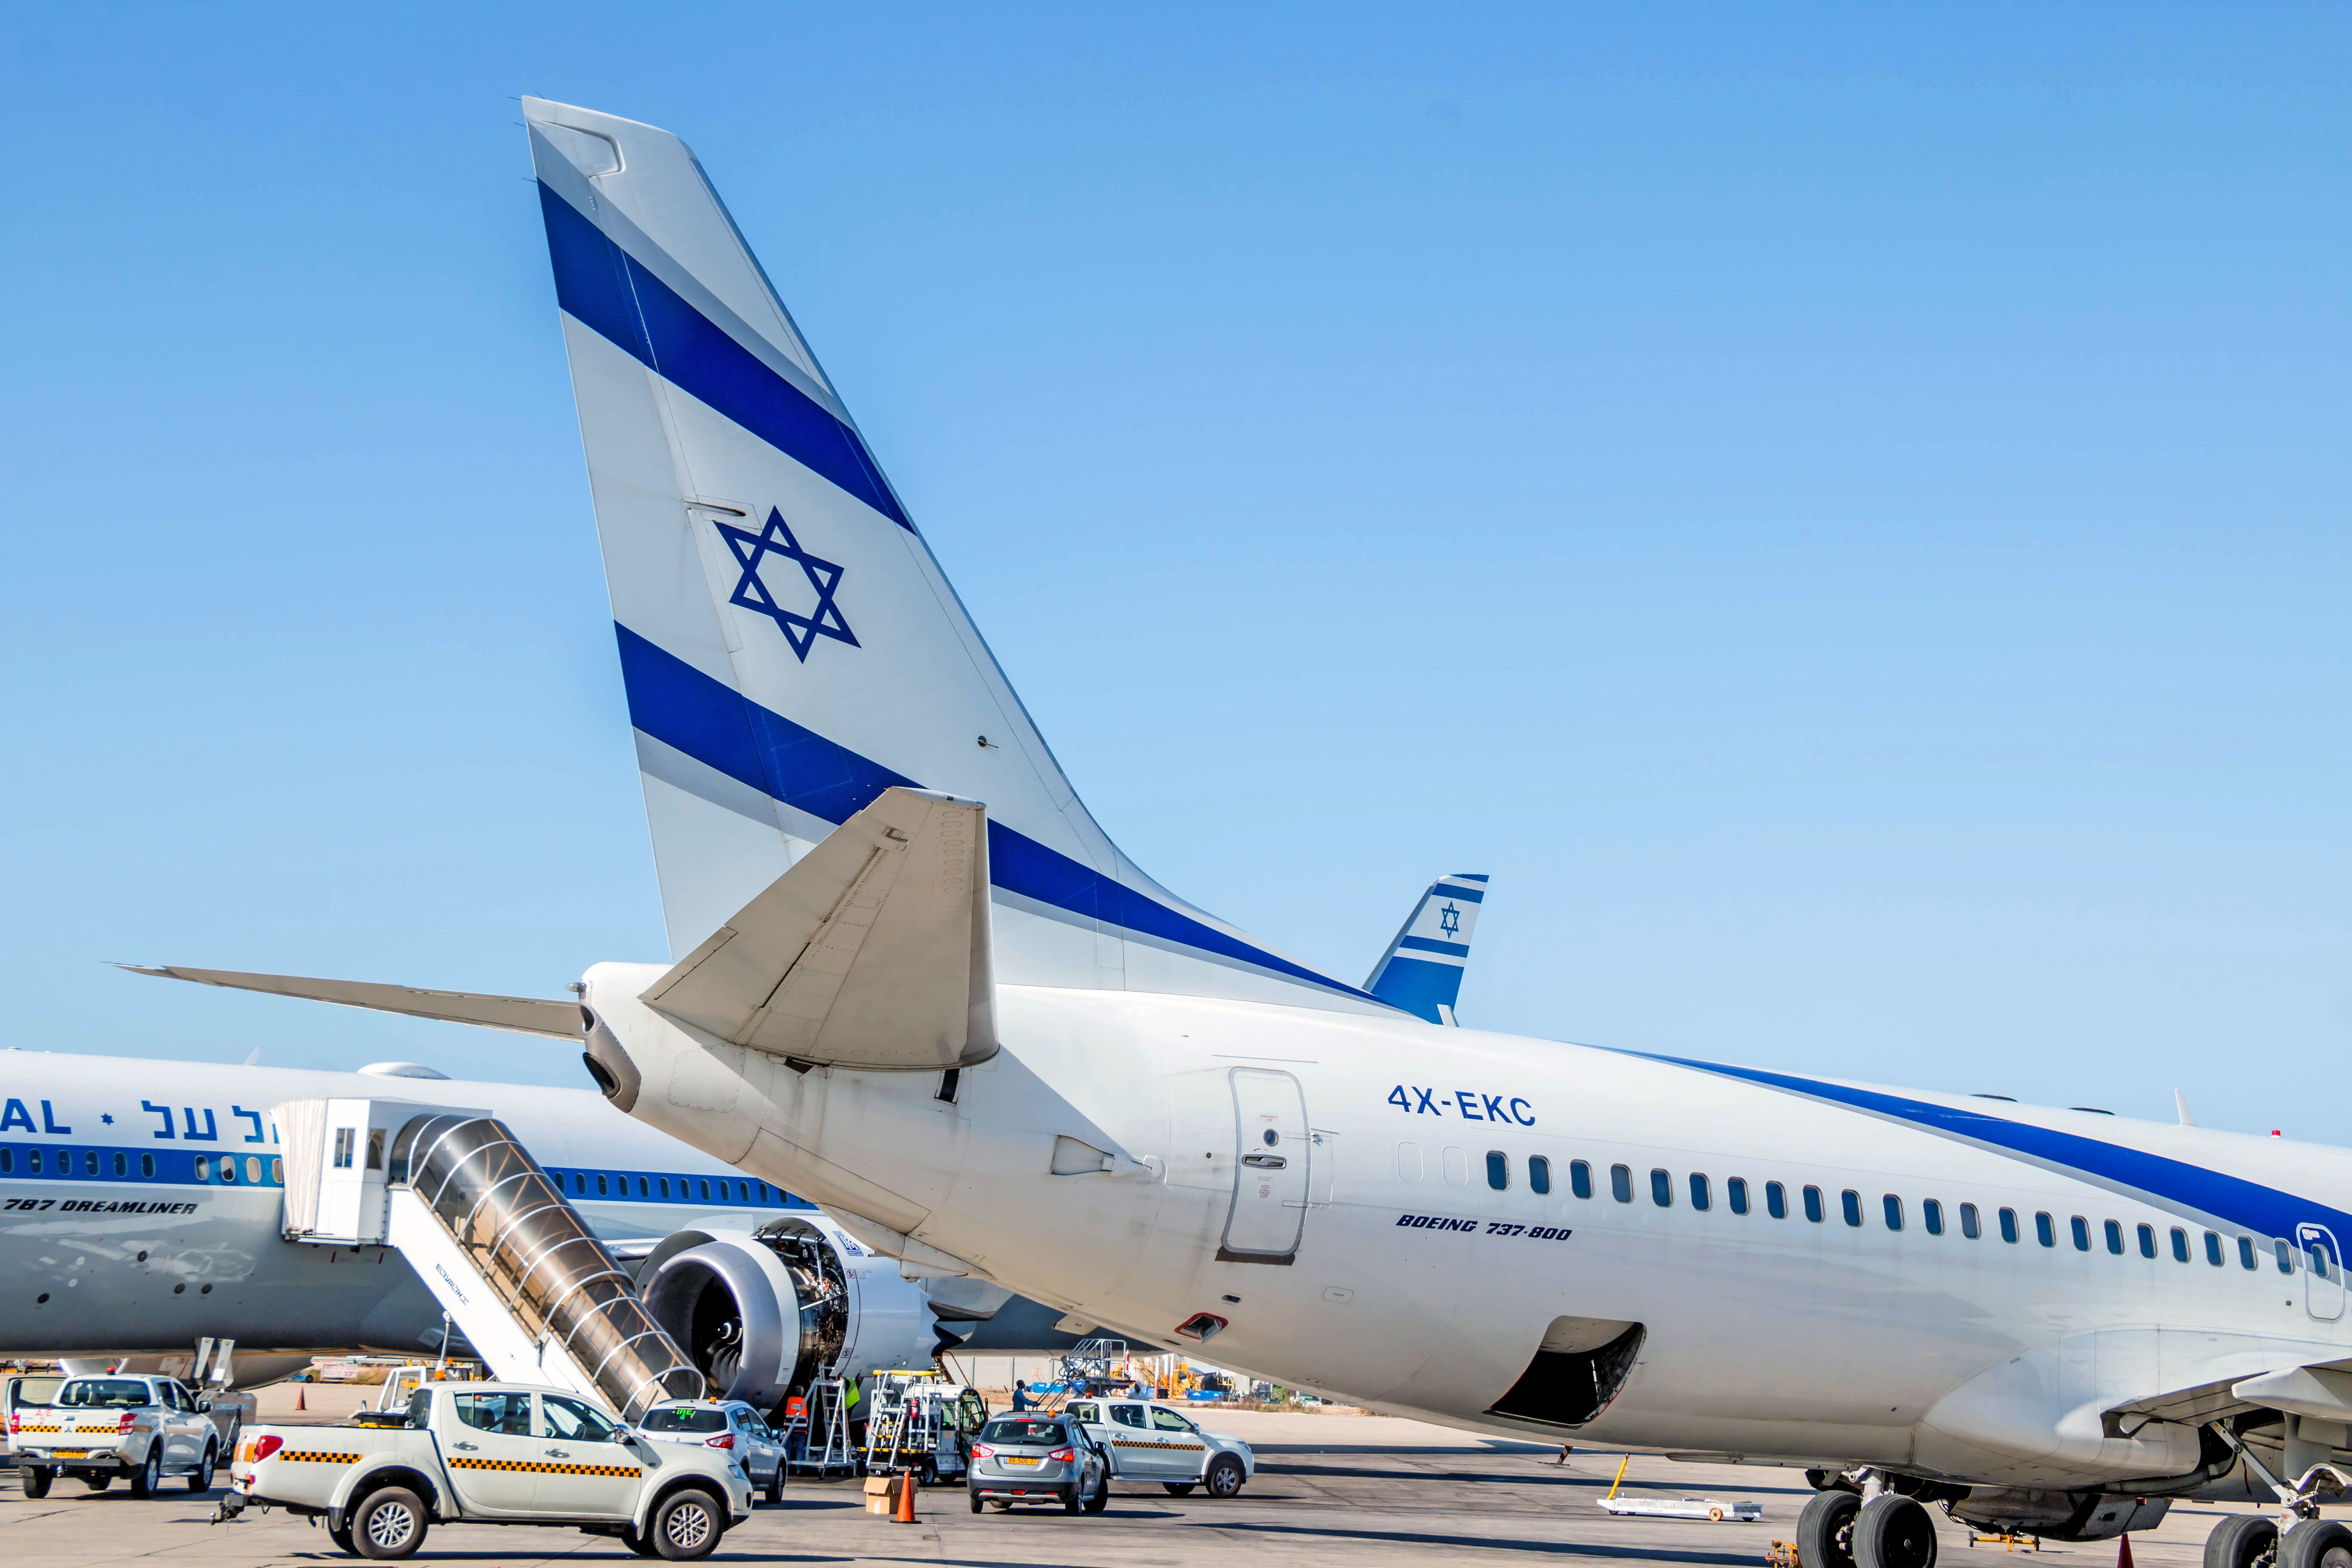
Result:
pixel 1418 1286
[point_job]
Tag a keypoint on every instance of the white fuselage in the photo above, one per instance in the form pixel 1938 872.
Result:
pixel 152 1258
pixel 1417 1286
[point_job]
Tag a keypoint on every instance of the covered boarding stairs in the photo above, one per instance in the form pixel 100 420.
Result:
pixel 517 1269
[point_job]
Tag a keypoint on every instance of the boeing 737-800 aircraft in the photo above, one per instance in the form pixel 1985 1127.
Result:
pixel 915 982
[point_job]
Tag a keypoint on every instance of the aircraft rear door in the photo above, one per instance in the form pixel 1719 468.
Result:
pixel 1270 1181
pixel 2322 1277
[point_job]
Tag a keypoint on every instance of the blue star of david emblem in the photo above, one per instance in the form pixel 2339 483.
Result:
pixel 751 592
pixel 107 1119
pixel 1449 920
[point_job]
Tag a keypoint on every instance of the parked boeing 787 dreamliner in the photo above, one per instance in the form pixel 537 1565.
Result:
pixel 914 981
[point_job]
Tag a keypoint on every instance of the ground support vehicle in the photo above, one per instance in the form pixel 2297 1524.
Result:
pixel 490 1453
pixel 1153 1442
pixel 728 1424
pixel 146 1429
pixel 1033 1457
pixel 921 1422
pixel 24 1390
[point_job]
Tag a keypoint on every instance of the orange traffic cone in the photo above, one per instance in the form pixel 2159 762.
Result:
pixel 298 1404
pixel 2123 1552
pixel 906 1499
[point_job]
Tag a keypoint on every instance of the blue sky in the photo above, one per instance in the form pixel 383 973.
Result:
pixel 1839 510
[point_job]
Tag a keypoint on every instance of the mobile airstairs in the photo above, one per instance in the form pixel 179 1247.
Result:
pixel 519 1273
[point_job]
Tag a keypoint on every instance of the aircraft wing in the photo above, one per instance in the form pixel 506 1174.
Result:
pixel 525 1015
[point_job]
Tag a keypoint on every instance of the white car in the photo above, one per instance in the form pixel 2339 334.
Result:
pixel 729 1425
pixel 102 1427
pixel 1153 1442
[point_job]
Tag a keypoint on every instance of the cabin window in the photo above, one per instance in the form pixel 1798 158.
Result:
pixel 1701 1197
pixel 1662 1189
pixel 278 1169
pixel 1498 1169
pixel 2045 1229
pixel 1621 1183
pixel 1776 1200
pixel 90 1164
pixel 1893 1207
pixel 1931 1216
pixel 146 1165
pixel 228 1168
pixel 1408 1161
pixel 645 1186
pixel 204 1173
pixel 7 1162
pixel 2148 1241
pixel 2115 1237
pixel 579 1185
pixel 1538 1175
pixel 743 1192
pixel 2285 1257
pixel 703 1188
pixel 2179 1245
pixel 1970 1227
pixel 1580 1178
pixel 252 1168
pixel 600 1191
pixel 1849 1202
pixel 1735 1192
pixel 122 1164
pixel 2081 1229
pixel 665 1186
pixel 2318 1262
pixel 2245 1250
pixel 1813 1209
pixel 2212 1250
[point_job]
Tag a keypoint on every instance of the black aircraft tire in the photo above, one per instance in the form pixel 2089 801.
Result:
pixel 1825 1529
pixel 2241 1540
pixel 1893 1531
pixel 2317 1544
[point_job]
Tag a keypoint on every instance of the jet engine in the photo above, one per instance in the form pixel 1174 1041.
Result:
pixel 766 1312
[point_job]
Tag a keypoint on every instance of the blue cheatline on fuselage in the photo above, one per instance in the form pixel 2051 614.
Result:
pixel 64 1164
pixel 706 719
pixel 2242 1205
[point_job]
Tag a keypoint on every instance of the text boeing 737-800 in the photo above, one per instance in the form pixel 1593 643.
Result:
pixel 921 986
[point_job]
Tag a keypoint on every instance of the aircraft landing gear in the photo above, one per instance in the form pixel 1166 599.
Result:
pixel 1893 1531
pixel 2243 1540
pixel 2317 1544
pixel 1825 1529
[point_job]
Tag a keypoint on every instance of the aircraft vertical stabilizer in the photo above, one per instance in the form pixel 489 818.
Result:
pixel 1422 971
pixel 790 647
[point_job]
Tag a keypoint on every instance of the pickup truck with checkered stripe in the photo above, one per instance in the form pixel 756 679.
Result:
pixel 492 1453
pixel 1153 1442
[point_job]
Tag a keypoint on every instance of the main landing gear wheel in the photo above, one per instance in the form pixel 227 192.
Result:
pixel 2243 1540
pixel 1825 1529
pixel 1895 1531
pixel 2315 1543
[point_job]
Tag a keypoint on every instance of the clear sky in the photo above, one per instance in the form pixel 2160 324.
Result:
pixel 1840 510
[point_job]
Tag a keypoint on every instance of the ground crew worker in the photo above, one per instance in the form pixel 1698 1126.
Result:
pixel 1020 1395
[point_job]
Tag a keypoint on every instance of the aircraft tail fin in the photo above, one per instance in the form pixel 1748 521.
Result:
pixel 789 646
pixel 1422 971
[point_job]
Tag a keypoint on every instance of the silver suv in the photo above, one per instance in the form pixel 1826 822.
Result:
pixel 726 1424
pixel 1037 1458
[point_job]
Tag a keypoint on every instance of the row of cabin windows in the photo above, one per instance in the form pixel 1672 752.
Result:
pixel 687 1187
pixel 1737 1198
pixel 255 1168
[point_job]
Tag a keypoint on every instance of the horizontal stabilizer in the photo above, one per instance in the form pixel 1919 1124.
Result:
pixel 872 952
pixel 525 1015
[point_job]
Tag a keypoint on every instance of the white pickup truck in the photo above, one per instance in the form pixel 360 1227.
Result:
pixel 492 1453
pixel 1150 1442
pixel 102 1427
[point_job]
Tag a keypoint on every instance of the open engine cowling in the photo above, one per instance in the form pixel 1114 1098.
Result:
pixel 764 1313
